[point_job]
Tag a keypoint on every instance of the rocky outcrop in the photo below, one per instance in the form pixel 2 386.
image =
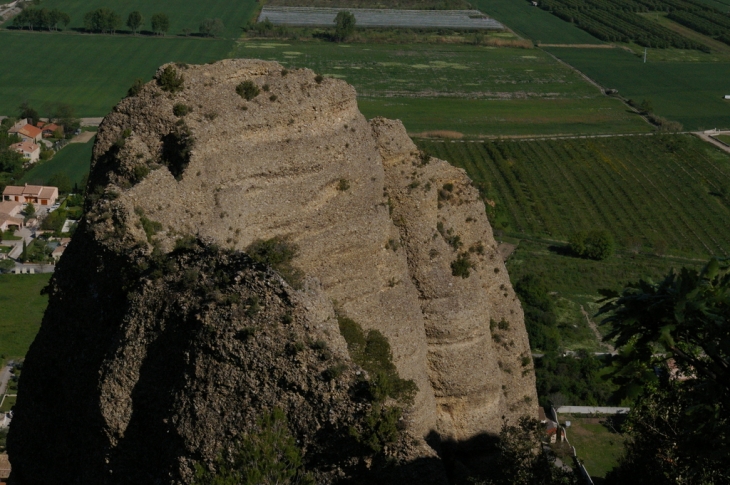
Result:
pixel 149 348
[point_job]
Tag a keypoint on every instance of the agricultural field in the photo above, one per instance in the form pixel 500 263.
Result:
pixel 472 90
pixel 21 310
pixel 90 73
pixel 724 138
pixel 400 4
pixel 669 192
pixel 691 94
pixel 183 14
pixel 533 23
pixel 73 161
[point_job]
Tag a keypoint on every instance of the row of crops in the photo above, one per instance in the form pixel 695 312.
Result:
pixel 671 191
pixel 617 20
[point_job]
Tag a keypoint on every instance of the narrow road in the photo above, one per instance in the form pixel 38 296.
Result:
pixel 594 328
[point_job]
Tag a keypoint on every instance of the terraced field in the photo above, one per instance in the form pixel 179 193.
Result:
pixel 654 194
pixel 415 19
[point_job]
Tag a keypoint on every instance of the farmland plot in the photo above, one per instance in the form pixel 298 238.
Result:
pixel 657 193
pixel 325 17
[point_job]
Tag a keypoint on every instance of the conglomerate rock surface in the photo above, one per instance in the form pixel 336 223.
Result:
pixel 150 359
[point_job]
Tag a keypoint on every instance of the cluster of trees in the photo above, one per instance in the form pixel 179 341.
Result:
pixel 11 162
pixel 344 28
pixel 597 245
pixel 574 380
pixel 41 18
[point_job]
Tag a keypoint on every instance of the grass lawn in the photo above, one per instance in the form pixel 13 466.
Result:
pixel 723 138
pixel 182 13
pixel 534 23
pixel 10 236
pixel 691 94
pixel 596 444
pixel 8 404
pixel 21 311
pixel 91 73
pixel 74 160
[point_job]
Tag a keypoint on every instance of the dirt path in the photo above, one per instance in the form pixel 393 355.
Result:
pixel 580 46
pixel 505 250
pixel 84 137
pixel 594 328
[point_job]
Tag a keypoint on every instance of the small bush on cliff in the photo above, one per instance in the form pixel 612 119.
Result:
pixel 278 253
pixel 247 90
pixel 461 265
pixel 170 80
pixel 181 109
pixel 372 353
pixel 268 454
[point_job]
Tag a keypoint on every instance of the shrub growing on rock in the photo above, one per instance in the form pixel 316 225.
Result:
pixel 247 90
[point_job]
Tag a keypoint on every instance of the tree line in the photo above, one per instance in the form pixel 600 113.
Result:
pixel 107 21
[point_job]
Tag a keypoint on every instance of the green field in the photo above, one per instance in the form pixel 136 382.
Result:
pixel 596 444
pixel 513 117
pixel 21 311
pixel 73 160
pixel 182 13
pixel 472 90
pixel 648 192
pixel 691 95
pixel 91 73
pixel 7 404
pixel 533 23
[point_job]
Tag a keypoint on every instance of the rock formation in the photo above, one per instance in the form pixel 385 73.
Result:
pixel 150 357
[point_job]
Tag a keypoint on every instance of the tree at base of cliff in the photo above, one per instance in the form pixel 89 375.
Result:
pixel 268 455
pixel 523 459
pixel 679 429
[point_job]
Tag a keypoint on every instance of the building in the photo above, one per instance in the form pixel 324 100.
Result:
pixel 727 96
pixel 4 466
pixel 29 150
pixel 11 209
pixel 26 131
pixel 50 129
pixel 35 194
pixel 9 223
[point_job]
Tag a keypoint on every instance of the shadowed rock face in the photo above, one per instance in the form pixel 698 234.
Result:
pixel 139 349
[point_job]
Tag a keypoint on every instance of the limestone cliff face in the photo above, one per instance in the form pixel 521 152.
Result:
pixel 380 230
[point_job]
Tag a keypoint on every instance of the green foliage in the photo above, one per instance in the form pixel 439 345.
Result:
pixel 343 185
pixel 278 252
pixel 266 455
pixel 540 317
pixel 212 27
pixel 247 90
pixel 135 88
pixel 181 109
pixel 43 18
pixel 683 318
pixel 523 460
pixel 575 380
pixel 596 245
pixel 135 21
pixel 6 265
pixel 160 23
pixel 29 211
pixel 461 265
pixel 150 227
pixel 54 221
pixel 380 427
pixel 372 353
pixel 169 80
pixel 102 20
pixel 344 25
pixel 318 78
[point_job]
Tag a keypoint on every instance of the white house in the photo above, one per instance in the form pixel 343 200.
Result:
pixel 36 194
pixel 29 150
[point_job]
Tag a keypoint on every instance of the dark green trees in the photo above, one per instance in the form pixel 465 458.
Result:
pixel 212 27
pixel 592 245
pixel 344 25
pixel 160 23
pixel 674 338
pixel 102 20
pixel 134 21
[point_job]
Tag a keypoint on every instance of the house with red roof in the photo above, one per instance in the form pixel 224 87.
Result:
pixel 29 150
pixel 50 129
pixel 26 131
